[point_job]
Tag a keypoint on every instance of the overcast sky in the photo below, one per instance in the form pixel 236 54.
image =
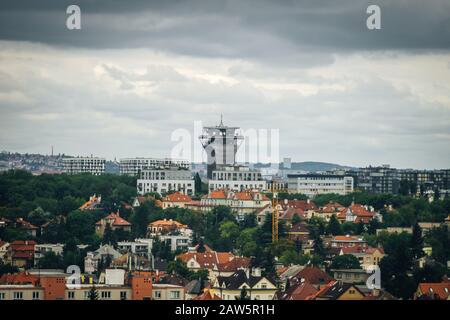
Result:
pixel 138 70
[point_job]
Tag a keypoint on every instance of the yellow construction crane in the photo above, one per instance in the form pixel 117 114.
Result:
pixel 275 214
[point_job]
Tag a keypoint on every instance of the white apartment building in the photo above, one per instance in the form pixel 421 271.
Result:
pixel 133 166
pixel 165 180
pixel 176 242
pixel 140 247
pixel 315 184
pixel 237 178
pixel 41 249
pixel 92 165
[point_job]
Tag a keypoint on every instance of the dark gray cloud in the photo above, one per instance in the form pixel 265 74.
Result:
pixel 279 31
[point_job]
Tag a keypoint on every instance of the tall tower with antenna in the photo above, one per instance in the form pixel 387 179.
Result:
pixel 221 144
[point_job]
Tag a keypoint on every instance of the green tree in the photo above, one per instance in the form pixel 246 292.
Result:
pixel 334 226
pixel 244 295
pixel 417 242
pixel 93 293
pixel 345 261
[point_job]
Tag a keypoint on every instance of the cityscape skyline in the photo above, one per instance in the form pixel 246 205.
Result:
pixel 347 95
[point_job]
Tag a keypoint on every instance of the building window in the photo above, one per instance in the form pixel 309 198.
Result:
pixel 123 295
pixel 106 294
pixel 174 294
pixel 2 296
pixel 71 295
pixel 35 295
pixel 157 294
pixel 17 295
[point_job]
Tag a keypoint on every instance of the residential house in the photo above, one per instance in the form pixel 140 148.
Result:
pixel 299 291
pixel 205 258
pixel 94 203
pixel 433 291
pixel 358 213
pixel 103 255
pixel 140 200
pixel 313 275
pixel 305 207
pixel 26 226
pixel 241 203
pixel 207 295
pixel 3 249
pixel 338 290
pixel 167 226
pixel 367 256
pixel 21 253
pixel 298 232
pixel 114 221
pixel 350 275
pixel 347 241
pixel 327 211
pixel 162 291
pixel 176 200
pixel 41 249
pixel 257 286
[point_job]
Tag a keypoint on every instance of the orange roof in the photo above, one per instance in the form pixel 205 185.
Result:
pixel 25 224
pixel 235 264
pixel 314 275
pixel 346 238
pixel 19 278
pixel 164 223
pixel 92 200
pixel 442 290
pixel 116 220
pixel 177 197
pixel 208 259
pixel 217 194
pixel 305 205
pixel 207 295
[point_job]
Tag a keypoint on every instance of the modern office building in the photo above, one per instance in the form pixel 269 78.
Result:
pixel 236 178
pixel 133 166
pixel 163 181
pixel 92 165
pixel 315 184
pixel 383 179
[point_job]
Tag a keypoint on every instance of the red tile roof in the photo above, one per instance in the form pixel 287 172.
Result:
pixel 207 295
pixel 217 194
pixel 305 205
pixel 19 278
pixel 235 264
pixel 25 224
pixel 314 276
pixel 441 290
pixel 115 219
pixel 208 259
pixel 177 197
pixel 300 291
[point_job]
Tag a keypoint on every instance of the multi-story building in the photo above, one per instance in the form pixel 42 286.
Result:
pixel 382 179
pixel 236 178
pixel 114 221
pixel 257 286
pixel 163 291
pixel 140 247
pixel 315 184
pixel 166 180
pixel 41 249
pixel 176 242
pixel 92 165
pixel 221 144
pixel 241 203
pixel 133 166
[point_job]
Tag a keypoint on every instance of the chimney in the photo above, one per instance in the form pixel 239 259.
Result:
pixel 308 201
pixel 257 272
pixel 247 273
pixel 286 201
